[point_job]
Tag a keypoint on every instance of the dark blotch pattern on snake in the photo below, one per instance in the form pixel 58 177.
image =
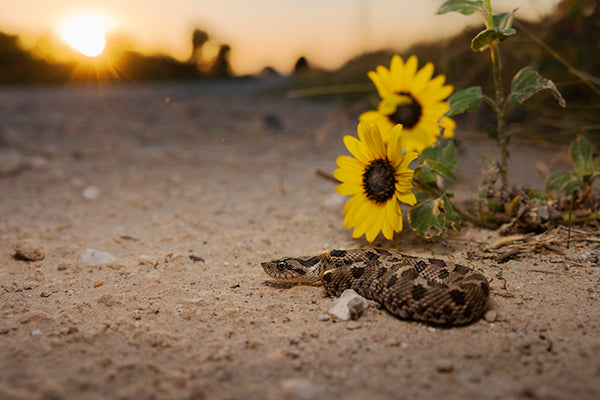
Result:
pixel 429 290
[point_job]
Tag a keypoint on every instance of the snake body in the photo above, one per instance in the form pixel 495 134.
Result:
pixel 424 289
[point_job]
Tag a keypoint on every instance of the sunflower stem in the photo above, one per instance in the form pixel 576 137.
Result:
pixel 487 8
pixel 500 100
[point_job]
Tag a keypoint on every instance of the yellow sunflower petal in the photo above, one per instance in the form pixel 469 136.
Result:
pixel 371 117
pixel 366 223
pixel 408 198
pixel 418 139
pixel 343 175
pixel 422 77
pixel 396 73
pixel 410 68
pixel 387 230
pixel 407 159
pixel 357 149
pixel 350 210
pixel 370 136
pixel 382 89
pixel 449 125
pixel 393 214
pixel 348 188
pixel 350 164
pixel 394 149
pixel 375 227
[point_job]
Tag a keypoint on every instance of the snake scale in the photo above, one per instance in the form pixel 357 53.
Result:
pixel 424 289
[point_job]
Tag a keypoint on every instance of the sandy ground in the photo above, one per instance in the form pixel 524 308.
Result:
pixel 189 187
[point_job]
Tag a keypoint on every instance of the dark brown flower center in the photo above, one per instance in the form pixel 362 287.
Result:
pixel 379 180
pixel 407 115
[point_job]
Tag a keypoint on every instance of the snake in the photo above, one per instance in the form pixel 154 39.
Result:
pixel 429 290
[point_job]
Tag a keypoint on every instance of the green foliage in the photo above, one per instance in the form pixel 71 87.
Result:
pixel 504 21
pixel 434 212
pixel 527 82
pixel 465 7
pixel 581 154
pixel 437 160
pixel 489 35
pixel 564 182
pixel 585 169
pixel 464 100
pixel 431 217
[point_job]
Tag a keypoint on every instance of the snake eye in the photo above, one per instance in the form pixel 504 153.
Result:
pixel 282 266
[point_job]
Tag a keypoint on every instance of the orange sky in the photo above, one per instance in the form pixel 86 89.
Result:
pixel 260 32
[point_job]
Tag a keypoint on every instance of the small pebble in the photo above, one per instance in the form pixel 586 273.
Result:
pixel 90 193
pixel 354 325
pixel 393 342
pixel 147 260
pixel 29 250
pixel 94 258
pixel 490 316
pixel 357 306
pixel 341 306
pixel 444 365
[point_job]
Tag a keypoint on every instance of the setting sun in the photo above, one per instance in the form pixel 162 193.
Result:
pixel 85 33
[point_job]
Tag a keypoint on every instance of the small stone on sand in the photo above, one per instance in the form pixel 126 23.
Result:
pixel 93 258
pixel 29 250
pixel 348 305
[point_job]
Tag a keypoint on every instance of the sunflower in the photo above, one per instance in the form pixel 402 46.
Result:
pixel 377 178
pixel 411 98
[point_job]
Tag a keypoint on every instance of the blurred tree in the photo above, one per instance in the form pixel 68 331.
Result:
pixel 17 65
pixel 221 67
pixel 199 39
pixel 301 66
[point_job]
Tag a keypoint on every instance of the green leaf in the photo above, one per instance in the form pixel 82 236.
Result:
pixel 581 153
pixel 487 36
pixel 442 151
pixel 564 182
pixel 597 164
pixel 465 7
pixel 440 169
pixel 437 160
pixel 528 82
pixel 504 20
pixel 431 217
pixel 464 100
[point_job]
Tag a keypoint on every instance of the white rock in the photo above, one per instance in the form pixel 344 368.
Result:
pixel 444 365
pixel 93 258
pixel 90 193
pixel 346 305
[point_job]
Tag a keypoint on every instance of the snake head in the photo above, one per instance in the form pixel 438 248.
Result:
pixel 293 269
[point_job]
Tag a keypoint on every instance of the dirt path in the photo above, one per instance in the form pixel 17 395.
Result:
pixel 189 188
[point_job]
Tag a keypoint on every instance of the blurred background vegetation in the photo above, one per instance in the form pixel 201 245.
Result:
pixel 564 47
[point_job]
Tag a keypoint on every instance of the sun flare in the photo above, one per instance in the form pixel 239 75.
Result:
pixel 86 33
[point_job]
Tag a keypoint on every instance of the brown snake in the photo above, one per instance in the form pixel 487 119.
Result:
pixel 424 289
